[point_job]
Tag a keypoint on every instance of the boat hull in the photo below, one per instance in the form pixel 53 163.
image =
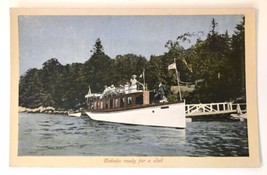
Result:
pixel 165 115
pixel 241 117
pixel 78 114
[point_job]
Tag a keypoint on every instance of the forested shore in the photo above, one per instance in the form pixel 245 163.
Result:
pixel 218 61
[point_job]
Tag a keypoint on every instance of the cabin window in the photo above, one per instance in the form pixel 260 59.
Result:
pixel 129 100
pixel 117 103
pixel 95 105
pixel 139 100
pixel 106 104
pixel 101 105
pixel 98 105
pixel 111 103
pixel 122 102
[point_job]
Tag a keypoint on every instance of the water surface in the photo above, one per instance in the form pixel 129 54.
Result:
pixel 61 135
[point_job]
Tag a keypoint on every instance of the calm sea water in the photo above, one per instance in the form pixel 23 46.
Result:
pixel 61 135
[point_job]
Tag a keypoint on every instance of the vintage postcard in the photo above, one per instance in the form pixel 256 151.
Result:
pixel 133 88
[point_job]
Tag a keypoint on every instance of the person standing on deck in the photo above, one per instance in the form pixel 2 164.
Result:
pixel 133 82
pixel 160 95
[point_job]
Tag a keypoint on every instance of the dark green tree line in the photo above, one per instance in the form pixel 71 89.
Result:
pixel 218 61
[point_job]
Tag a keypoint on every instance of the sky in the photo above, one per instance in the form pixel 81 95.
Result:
pixel 70 38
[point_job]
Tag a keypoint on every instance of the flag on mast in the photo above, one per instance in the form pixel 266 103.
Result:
pixel 172 66
pixel 143 74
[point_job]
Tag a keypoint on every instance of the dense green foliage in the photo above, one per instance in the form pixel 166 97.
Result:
pixel 218 61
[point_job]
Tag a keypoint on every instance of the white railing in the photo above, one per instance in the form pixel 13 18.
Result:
pixel 213 108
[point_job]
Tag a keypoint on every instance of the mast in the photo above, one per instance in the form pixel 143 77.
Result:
pixel 178 79
pixel 144 79
pixel 89 90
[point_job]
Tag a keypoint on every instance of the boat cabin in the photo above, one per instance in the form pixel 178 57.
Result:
pixel 130 96
pixel 119 102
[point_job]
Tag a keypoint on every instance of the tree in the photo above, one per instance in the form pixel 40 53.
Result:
pixel 214 26
pixel 154 72
pixel 98 48
pixel 30 89
pixel 238 57
pixel 51 77
pixel 211 64
pixel 124 66
pixel 96 70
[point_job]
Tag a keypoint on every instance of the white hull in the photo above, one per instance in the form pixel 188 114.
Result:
pixel 241 117
pixel 165 115
pixel 78 114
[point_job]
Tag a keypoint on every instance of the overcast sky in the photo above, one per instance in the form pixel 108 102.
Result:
pixel 70 38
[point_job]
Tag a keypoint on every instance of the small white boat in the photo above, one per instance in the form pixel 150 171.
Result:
pixel 74 114
pixel 239 115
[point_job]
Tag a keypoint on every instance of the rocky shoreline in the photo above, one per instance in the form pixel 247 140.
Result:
pixel 41 109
